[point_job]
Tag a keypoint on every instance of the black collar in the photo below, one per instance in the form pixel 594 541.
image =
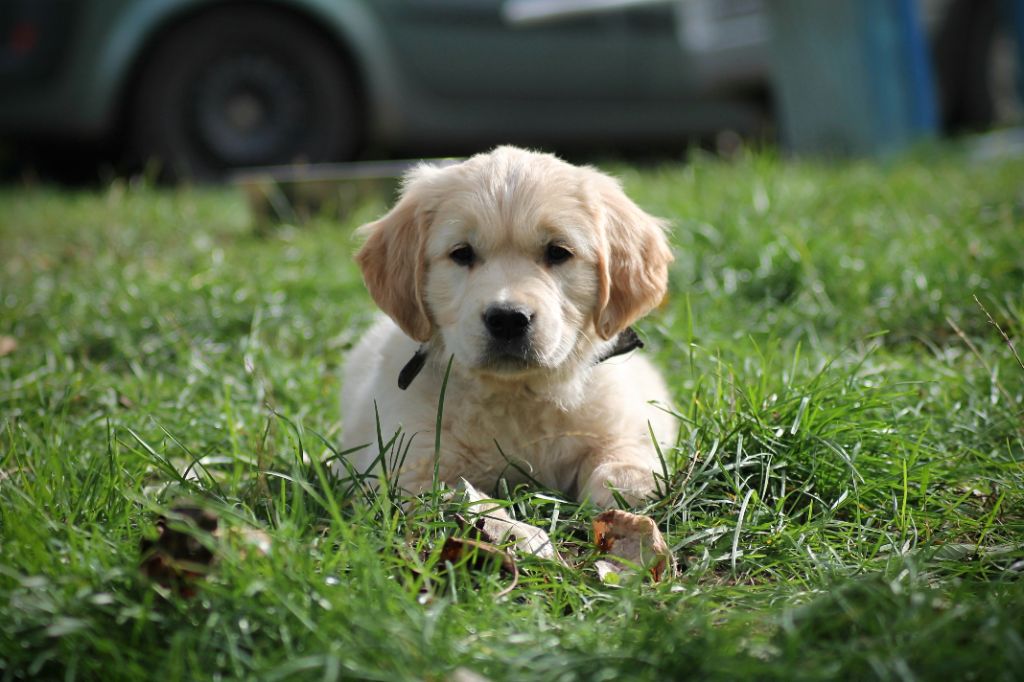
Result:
pixel 412 368
pixel 626 341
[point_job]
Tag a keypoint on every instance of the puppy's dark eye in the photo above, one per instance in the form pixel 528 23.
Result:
pixel 463 255
pixel 555 254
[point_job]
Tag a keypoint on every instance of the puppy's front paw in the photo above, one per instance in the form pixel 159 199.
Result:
pixel 634 482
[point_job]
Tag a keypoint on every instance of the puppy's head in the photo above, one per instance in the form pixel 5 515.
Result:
pixel 518 261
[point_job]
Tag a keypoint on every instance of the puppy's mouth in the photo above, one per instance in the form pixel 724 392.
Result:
pixel 509 358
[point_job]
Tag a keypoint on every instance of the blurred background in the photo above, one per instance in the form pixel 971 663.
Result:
pixel 199 89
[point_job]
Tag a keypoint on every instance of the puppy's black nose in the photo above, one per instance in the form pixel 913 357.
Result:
pixel 507 323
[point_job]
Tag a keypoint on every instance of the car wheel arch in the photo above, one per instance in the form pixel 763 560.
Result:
pixel 336 28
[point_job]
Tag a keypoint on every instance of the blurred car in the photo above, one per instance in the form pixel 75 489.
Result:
pixel 207 86
pixel 211 85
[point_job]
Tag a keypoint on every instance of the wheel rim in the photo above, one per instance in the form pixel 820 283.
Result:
pixel 249 109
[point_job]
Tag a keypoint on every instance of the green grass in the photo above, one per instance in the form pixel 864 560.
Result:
pixel 847 493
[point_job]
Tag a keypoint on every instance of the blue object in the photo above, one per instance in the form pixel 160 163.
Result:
pixel 923 102
pixel 851 76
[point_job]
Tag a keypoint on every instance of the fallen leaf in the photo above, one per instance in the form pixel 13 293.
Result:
pixel 477 529
pixel 188 541
pixel 631 540
pixel 607 572
pixel 8 345
pixel 180 554
pixel 498 527
pixel 480 556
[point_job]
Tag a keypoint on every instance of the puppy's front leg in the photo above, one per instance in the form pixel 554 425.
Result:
pixel 416 473
pixel 629 471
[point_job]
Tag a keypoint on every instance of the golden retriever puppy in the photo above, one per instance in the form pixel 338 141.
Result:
pixel 526 272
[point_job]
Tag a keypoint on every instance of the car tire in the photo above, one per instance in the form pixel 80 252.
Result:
pixel 242 87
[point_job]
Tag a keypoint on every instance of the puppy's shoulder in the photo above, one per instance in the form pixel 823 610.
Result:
pixel 378 356
pixel 379 337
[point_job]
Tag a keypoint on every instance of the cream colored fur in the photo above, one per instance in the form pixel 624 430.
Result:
pixel 560 418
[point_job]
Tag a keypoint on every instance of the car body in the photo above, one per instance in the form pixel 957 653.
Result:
pixel 430 75
pixel 206 86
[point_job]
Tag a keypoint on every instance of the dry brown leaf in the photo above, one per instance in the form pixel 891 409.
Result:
pixel 607 572
pixel 178 557
pixel 480 556
pixel 497 526
pixel 634 539
pixel 182 553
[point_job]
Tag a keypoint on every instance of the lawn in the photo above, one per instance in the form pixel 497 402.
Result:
pixel 846 497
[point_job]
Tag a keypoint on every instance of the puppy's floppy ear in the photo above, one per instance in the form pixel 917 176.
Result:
pixel 633 267
pixel 392 261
